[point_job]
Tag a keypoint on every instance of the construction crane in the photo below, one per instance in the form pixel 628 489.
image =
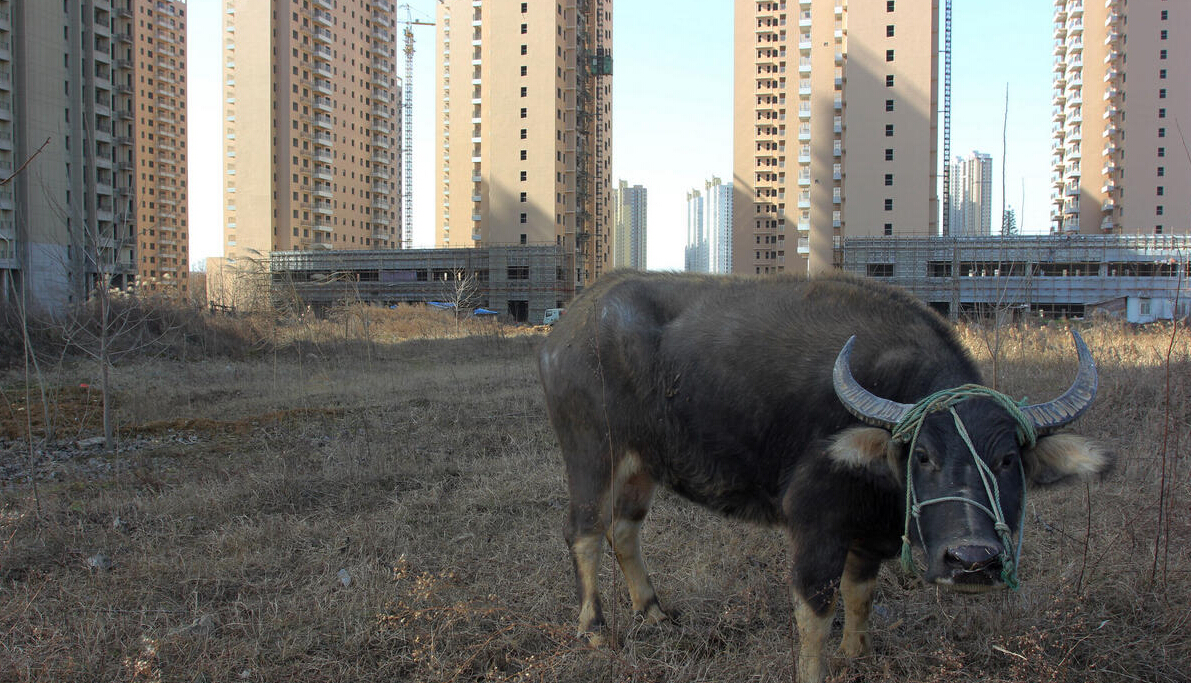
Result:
pixel 947 119
pixel 407 118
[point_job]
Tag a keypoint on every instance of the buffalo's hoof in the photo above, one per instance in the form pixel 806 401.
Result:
pixel 594 639
pixel 653 614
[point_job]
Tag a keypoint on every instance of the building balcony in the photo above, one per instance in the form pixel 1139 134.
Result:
pixel 323 156
pixel 323 190
pixel 322 35
pixel 324 140
pixel 323 18
pixel 324 208
pixel 322 53
pixel 324 103
pixel 323 121
pixel 323 173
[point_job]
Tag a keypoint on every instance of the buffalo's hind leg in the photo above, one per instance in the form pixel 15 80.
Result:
pixel 632 492
pixel 610 502
pixel 587 478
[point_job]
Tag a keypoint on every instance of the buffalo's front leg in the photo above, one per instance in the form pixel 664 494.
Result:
pixel 816 577
pixel 857 586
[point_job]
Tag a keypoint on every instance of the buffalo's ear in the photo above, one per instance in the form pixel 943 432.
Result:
pixel 1061 458
pixel 869 449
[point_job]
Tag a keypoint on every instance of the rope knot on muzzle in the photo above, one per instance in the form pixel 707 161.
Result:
pixel 907 430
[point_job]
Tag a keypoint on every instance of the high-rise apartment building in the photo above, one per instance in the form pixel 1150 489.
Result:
pixel 709 228
pixel 525 118
pixel 696 253
pixel 631 205
pixel 312 126
pixel 970 202
pixel 835 127
pixel 1102 50
pixel 92 148
pixel 159 140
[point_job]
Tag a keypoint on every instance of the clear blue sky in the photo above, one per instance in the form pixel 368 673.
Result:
pixel 672 108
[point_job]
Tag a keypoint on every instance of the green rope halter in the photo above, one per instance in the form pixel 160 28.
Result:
pixel 907 429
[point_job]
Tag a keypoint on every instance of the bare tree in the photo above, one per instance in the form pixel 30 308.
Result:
pixel 462 292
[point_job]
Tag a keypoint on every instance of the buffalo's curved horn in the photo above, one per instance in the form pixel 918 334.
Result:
pixel 1048 417
pixel 870 408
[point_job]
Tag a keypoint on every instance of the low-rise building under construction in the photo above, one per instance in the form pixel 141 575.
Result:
pixel 521 282
pixel 1145 276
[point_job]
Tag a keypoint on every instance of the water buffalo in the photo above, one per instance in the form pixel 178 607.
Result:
pixel 745 395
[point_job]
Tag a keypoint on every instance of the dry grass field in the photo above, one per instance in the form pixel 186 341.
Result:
pixel 342 502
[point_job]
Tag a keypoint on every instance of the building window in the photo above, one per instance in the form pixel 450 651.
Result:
pixel 524 49
pixel 889 55
pixel 524 7
pixel 1161 73
pixel 889 80
pixel 889 130
pixel 879 269
pixel 524 113
pixel 888 154
pixel 1161 190
pixel 524 219
pixel 1157 229
pixel 523 197
pixel 1161 132
pixel 524 154
pixel 524 29
pixel 888 105
pixel 524 91
pixel 1158 210
pixel 889 180
pixel 524 176
pixel 1161 112
pixel 888 5
pixel 1161 151
pixel 1161 93
pixel 1165 15
pixel 524 70
pixel 524 131
pixel 1161 171
pixel 889 228
pixel 1162 35
pixel 889 31
pixel 888 204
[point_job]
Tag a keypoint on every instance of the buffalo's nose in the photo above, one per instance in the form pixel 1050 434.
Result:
pixel 972 557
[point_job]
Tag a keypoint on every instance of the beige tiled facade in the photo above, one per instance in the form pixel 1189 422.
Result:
pixel 524 117
pixel 311 126
pixel 1104 51
pixel 93 97
pixel 159 137
pixel 835 132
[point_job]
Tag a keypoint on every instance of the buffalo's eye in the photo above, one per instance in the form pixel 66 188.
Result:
pixel 923 458
pixel 1004 462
